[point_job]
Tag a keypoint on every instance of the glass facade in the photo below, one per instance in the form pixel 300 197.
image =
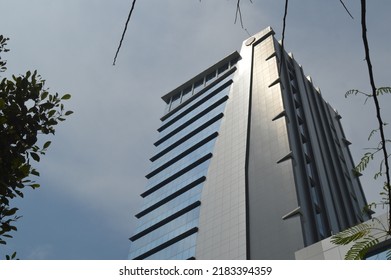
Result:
pixel 381 254
pixel 168 222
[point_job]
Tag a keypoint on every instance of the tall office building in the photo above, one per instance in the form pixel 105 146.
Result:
pixel 250 163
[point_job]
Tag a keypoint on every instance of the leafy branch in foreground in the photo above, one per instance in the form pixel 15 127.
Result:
pixel 365 236
pixel 376 102
pixel 11 257
pixel 27 111
pixel 351 234
pixel 381 146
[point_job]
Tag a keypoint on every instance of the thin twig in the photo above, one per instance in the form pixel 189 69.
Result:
pixel 346 9
pixel 283 36
pixel 238 12
pixel 284 23
pixel 123 33
pixel 377 105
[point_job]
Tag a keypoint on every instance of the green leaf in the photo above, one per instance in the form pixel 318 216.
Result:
pixel 44 95
pixel 68 113
pixel 360 248
pixel 351 234
pixel 377 175
pixel 355 92
pixel 364 161
pixel 372 132
pixel 383 90
pixel 51 113
pixel 34 172
pixel 47 144
pixel 13 227
pixel 351 92
pixel 35 156
pixel 10 212
pixel 19 193
pixel 35 186
pixel 66 97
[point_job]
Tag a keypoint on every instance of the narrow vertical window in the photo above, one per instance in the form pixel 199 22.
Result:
pixel 210 76
pixel 176 99
pixel 187 92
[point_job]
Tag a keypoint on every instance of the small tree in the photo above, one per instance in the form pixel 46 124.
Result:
pixel 27 110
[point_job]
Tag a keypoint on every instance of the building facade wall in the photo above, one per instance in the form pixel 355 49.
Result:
pixel 250 163
pixel 272 190
pixel 169 220
pixel 223 229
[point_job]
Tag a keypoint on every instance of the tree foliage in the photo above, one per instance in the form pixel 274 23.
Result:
pixel 364 237
pixel 27 111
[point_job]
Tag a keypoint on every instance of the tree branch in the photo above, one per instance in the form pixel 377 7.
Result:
pixel 346 9
pixel 284 23
pixel 239 12
pixel 283 35
pixel 377 105
pixel 123 33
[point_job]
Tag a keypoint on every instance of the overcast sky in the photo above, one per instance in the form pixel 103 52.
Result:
pixel 94 171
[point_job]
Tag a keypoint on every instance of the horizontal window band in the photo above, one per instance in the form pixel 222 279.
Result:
pixel 208 87
pixel 171 197
pixel 187 137
pixel 182 155
pixel 193 119
pixel 166 220
pixel 176 175
pixel 195 105
pixel 167 244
